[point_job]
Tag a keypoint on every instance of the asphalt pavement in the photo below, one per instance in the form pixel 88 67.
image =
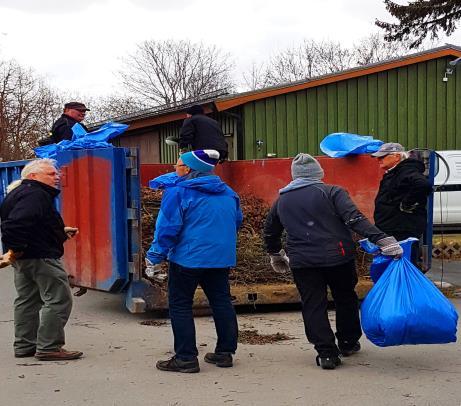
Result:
pixel 445 271
pixel 120 353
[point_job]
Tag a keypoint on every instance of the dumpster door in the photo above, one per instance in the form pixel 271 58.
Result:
pixel 100 196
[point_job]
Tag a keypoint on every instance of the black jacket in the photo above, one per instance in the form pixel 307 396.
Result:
pixel 403 188
pixel 318 219
pixel 61 130
pixel 202 132
pixel 30 222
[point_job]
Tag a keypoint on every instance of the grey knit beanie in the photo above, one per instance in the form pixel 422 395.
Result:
pixel 306 166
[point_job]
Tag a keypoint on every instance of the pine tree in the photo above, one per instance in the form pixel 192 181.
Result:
pixel 420 18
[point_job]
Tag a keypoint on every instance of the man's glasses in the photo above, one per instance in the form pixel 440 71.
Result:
pixel 178 165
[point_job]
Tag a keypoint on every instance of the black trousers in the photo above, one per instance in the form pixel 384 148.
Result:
pixel 312 285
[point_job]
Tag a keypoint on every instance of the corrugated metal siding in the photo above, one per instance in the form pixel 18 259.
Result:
pixel 410 105
pixel 169 153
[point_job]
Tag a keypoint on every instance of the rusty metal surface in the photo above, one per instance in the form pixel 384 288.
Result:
pixel 359 175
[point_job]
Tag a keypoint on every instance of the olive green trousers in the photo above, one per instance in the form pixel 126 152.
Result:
pixel 42 306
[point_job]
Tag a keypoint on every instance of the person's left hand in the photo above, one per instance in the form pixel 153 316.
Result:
pixel 280 262
pixel 154 271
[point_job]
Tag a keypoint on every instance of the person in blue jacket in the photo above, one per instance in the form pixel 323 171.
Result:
pixel 196 231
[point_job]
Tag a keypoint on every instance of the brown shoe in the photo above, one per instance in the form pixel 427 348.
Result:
pixel 59 355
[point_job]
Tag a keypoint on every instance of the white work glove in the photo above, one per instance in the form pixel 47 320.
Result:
pixel 390 246
pixel 280 263
pixel 154 271
pixel 71 232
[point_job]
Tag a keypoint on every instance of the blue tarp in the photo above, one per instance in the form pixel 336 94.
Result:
pixel 338 145
pixel 83 140
pixel 405 307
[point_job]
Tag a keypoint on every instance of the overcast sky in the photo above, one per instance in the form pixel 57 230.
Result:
pixel 77 45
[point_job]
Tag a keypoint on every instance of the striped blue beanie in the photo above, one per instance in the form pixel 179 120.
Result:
pixel 202 160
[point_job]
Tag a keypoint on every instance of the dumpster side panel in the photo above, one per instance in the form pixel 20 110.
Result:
pixel 93 198
pixel 359 175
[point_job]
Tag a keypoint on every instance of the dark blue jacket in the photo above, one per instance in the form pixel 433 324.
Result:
pixel 30 222
pixel 318 219
pixel 202 132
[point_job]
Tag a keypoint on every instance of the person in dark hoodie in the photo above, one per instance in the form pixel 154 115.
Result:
pixel 202 132
pixel 196 231
pixel 318 219
pixel 400 205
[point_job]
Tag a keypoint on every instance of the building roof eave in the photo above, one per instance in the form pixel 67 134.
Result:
pixel 228 102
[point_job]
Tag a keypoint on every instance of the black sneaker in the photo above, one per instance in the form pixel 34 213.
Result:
pixel 347 350
pixel 176 365
pixel 220 359
pixel 328 362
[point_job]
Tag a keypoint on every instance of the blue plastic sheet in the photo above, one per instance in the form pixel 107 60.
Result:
pixel 83 140
pixel 338 145
pixel 405 307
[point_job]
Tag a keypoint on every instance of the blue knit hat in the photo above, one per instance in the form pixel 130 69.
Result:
pixel 202 160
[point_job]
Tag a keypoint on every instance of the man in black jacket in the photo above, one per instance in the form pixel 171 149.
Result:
pixel 33 232
pixel 318 218
pixel 400 205
pixel 74 112
pixel 202 132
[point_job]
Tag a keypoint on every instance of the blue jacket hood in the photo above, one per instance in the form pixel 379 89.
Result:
pixel 211 184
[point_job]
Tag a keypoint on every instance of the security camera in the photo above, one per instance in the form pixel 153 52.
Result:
pixel 454 62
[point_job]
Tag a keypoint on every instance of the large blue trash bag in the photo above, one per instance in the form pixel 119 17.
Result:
pixel 83 140
pixel 338 145
pixel 405 307
pixel 380 261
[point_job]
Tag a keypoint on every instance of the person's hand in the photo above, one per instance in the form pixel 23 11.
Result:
pixel 154 271
pixel 390 246
pixel 7 259
pixel 71 232
pixel 280 262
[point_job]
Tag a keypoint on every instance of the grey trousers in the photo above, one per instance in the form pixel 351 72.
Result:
pixel 42 286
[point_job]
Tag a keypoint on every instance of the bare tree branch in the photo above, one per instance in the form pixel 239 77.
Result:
pixel 312 59
pixel 165 72
pixel 27 109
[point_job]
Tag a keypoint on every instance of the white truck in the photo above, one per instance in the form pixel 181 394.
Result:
pixel 447 196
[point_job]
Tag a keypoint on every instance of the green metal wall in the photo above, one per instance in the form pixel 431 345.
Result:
pixel 168 153
pixel 410 105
